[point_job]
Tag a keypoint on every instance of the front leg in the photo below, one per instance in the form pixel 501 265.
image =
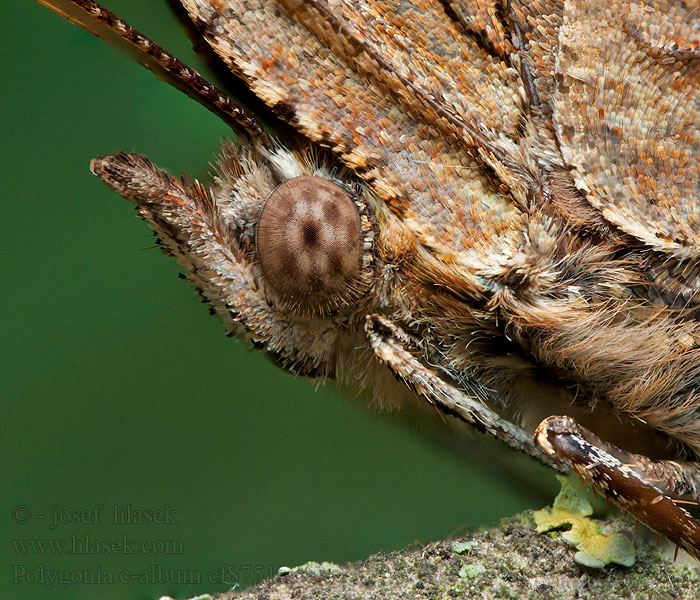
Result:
pixel 644 491
pixel 394 348
pixel 561 443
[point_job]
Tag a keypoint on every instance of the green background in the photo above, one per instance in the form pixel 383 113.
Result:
pixel 119 388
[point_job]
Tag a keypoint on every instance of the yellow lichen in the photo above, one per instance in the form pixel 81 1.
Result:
pixel 594 549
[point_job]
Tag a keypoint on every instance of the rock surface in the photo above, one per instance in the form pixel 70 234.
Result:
pixel 509 561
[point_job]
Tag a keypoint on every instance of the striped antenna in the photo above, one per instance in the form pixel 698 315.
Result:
pixel 102 23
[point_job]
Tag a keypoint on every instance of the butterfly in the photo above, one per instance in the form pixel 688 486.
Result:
pixel 491 208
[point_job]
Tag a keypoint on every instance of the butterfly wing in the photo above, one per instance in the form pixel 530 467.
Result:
pixel 627 116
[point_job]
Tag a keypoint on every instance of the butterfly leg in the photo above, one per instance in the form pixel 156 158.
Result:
pixel 399 353
pixel 638 485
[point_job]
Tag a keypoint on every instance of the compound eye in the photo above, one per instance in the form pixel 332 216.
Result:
pixel 310 242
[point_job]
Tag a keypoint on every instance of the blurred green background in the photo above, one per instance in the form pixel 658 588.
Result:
pixel 119 389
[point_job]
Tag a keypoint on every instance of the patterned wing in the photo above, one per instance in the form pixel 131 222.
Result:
pixel 627 115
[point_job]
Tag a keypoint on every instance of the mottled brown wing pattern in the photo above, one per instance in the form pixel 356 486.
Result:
pixel 484 18
pixel 414 54
pixel 627 115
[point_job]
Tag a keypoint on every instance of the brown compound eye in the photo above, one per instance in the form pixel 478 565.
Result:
pixel 312 242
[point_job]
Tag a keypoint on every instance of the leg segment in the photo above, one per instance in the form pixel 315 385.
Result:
pixel 677 479
pixel 394 348
pixel 640 486
pixel 595 463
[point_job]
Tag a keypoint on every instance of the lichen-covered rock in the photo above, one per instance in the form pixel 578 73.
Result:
pixel 509 561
